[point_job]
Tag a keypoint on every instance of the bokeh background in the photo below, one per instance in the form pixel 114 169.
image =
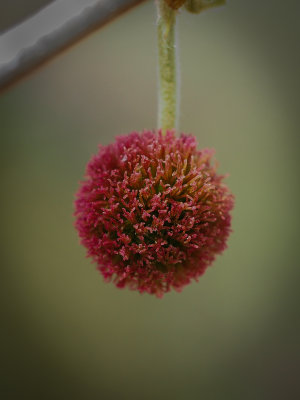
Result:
pixel 234 334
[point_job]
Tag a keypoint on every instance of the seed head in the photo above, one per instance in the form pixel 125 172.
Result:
pixel 152 211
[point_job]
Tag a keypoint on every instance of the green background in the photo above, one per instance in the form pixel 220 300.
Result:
pixel 234 334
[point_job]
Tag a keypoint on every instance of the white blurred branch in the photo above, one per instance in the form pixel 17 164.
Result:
pixel 54 42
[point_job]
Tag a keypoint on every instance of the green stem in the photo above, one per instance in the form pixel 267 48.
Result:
pixel 167 109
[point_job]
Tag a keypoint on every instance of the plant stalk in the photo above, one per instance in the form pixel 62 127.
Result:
pixel 167 69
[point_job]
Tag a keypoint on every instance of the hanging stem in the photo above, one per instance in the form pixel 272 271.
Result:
pixel 167 108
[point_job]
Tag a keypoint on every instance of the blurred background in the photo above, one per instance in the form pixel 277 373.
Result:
pixel 234 334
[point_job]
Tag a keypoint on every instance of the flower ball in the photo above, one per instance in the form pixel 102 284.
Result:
pixel 152 211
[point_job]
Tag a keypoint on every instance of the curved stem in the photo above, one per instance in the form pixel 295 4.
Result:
pixel 47 46
pixel 167 109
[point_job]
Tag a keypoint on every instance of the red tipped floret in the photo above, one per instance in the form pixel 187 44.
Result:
pixel 152 212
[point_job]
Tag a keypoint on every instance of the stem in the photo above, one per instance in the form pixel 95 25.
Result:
pixel 167 108
pixel 48 45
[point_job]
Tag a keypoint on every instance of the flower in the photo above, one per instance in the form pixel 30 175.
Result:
pixel 152 211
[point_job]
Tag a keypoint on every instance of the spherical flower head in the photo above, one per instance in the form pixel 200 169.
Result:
pixel 152 212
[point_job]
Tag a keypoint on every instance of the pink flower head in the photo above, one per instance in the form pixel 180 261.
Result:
pixel 152 211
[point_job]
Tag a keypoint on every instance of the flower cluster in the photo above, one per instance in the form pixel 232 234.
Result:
pixel 152 211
